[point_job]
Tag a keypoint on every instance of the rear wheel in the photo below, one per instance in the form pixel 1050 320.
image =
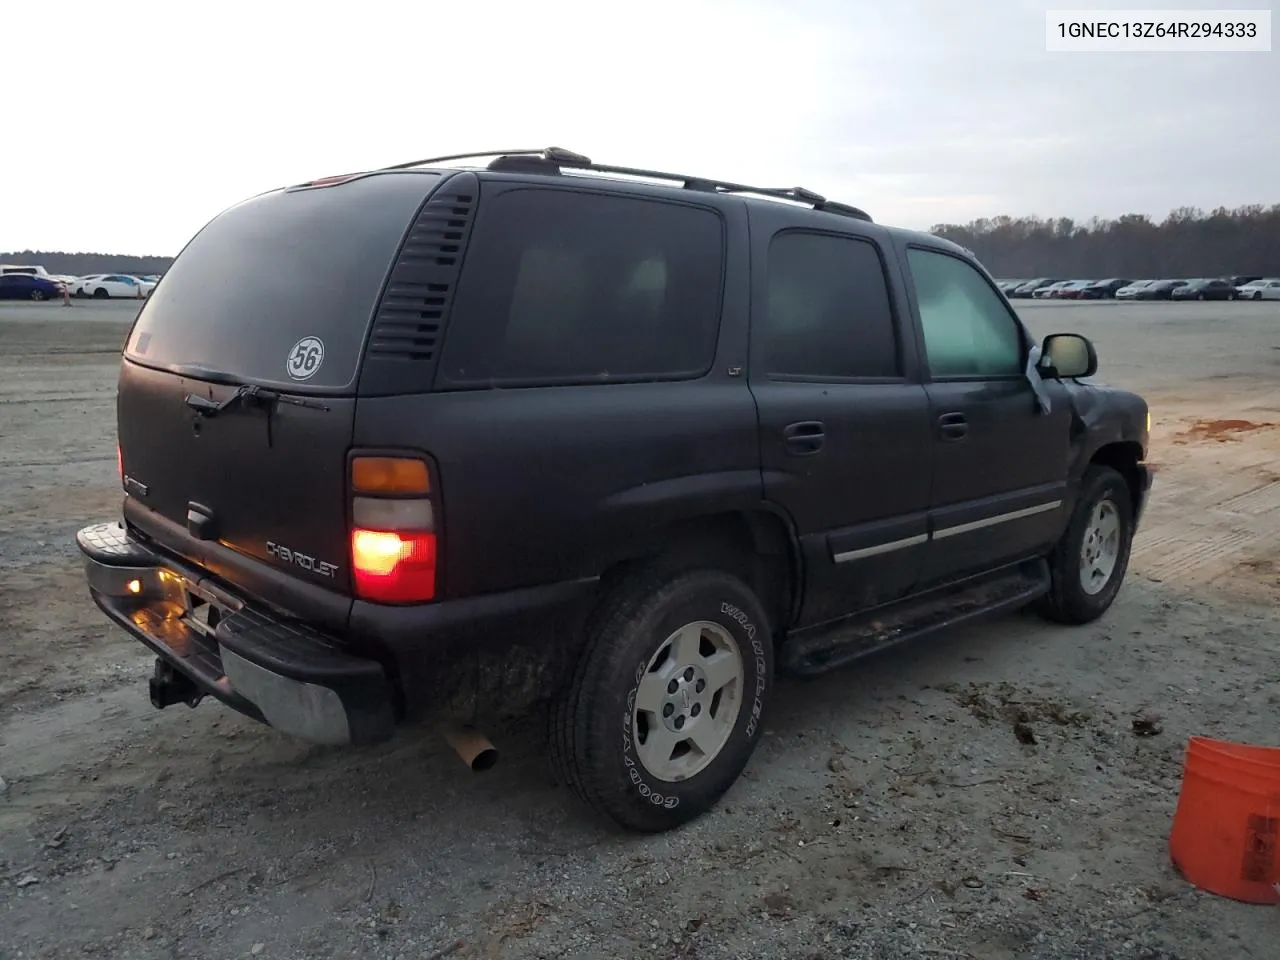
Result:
pixel 665 706
pixel 1088 564
pixel 100 294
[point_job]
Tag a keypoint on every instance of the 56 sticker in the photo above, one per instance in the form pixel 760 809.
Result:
pixel 305 358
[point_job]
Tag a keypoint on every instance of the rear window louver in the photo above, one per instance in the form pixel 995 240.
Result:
pixel 415 305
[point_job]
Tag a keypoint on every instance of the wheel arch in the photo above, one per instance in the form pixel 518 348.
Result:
pixel 759 545
pixel 1123 456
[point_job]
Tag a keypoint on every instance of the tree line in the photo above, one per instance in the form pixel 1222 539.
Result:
pixel 1187 243
pixel 83 264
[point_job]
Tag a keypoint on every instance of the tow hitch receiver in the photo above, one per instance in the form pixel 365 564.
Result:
pixel 168 687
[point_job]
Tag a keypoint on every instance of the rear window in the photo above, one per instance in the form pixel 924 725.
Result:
pixel 571 287
pixel 280 289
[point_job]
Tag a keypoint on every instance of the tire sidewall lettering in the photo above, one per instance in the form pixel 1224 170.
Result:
pixel 757 651
pixel 635 773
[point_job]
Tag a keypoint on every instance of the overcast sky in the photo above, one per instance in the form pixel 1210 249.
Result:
pixel 129 127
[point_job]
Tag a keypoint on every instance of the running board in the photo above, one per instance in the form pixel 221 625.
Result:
pixel 810 653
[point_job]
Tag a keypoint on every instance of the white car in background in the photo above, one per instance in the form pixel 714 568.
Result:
pixel 1267 288
pixel 103 286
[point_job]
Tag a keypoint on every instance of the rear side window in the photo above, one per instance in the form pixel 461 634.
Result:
pixel 827 314
pixel 566 287
pixel 281 288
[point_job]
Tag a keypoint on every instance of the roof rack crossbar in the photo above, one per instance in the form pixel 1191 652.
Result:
pixel 560 157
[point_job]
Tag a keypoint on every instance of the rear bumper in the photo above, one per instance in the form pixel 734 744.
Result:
pixel 275 670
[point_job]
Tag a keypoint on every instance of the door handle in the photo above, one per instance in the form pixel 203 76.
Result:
pixel 804 438
pixel 953 426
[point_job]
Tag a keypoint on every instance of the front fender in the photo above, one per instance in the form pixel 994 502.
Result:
pixel 1108 424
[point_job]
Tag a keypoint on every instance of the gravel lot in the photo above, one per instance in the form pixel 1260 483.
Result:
pixel 890 812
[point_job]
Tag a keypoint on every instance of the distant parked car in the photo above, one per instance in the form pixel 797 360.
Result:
pixel 1159 290
pixel 28 286
pixel 1242 281
pixel 1103 289
pixel 78 286
pixel 1050 291
pixel 1073 290
pixel 1204 290
pixel 1132 290
pixel 30 270
pixel 1265 288
pixel 103 286
pixel 1028 288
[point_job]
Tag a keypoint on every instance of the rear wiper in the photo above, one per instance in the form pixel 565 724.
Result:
pixel 254 394
pixel 250 397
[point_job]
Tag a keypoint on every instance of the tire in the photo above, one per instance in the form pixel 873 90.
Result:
pixel 598 731
pixel 1231 296
pixel 1068 600
pixel 1257 295
pixel 1200 296
pixel 100 294
pixel 38 295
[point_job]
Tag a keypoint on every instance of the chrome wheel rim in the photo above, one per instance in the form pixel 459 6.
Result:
pixel 1100 550
pixel 687 702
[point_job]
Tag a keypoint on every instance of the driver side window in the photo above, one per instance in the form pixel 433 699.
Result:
pixel 968 331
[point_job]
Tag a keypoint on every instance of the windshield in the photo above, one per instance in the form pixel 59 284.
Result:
pixel 285 272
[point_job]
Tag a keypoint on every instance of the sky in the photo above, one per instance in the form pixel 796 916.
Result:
pixel 161 114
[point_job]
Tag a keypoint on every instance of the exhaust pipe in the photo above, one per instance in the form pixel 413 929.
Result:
pixel 472 746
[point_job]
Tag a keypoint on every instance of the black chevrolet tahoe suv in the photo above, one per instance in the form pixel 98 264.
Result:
pixel 462 440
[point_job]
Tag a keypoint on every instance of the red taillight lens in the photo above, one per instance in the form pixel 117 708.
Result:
pixel 394 567
pixel 119 464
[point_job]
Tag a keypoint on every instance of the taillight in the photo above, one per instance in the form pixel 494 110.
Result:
pixel 393 532
pixel 119 464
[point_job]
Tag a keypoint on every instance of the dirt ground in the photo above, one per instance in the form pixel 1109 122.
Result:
pixel 890 812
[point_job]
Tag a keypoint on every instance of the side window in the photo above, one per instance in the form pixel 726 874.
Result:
pixel 968 331
pixel 827 313
pixel 568 287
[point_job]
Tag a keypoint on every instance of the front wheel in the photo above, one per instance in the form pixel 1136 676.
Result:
pixel 667 701
pixel 38 295
pixel 1088 564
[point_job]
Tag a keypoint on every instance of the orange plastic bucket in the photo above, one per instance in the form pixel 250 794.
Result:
pixel 1226 829
pixel 1267 757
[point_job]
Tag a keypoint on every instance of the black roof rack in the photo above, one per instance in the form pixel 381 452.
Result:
pixel 552 159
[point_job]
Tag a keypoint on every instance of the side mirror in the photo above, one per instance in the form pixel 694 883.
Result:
pixel 1068 355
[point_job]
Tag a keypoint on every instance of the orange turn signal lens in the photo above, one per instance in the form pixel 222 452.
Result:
pixel 389 475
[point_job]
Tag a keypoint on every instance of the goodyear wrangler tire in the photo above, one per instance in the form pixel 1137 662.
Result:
pixel 1088 565
pixel 668 699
